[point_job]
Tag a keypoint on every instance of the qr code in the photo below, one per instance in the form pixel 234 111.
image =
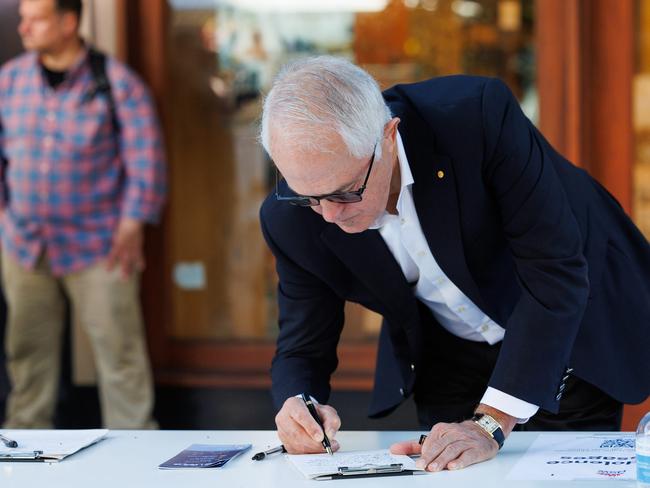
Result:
pixel 618 443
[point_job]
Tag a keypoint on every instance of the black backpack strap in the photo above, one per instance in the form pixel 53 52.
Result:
pixel 98 61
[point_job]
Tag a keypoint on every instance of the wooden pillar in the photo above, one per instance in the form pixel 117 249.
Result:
pixel 585 68
pixel 142 45
pixel 559 74
pixel 608 135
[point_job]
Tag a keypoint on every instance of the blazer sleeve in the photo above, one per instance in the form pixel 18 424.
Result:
pixel 546 245
pixel 310 323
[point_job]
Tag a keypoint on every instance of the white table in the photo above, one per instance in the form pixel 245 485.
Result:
pixel 130 458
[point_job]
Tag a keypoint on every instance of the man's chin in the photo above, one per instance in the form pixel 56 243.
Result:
pixel 31 46
pixel 351 228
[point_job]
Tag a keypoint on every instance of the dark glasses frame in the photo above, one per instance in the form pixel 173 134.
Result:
pixel 336 197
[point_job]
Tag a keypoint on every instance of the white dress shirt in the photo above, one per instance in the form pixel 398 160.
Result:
pixel 451 308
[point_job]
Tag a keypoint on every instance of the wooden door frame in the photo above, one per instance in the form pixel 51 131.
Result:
pixel 584 73
pixel 584 55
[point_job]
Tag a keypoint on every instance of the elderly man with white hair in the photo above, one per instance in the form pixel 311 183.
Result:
pixel 504 274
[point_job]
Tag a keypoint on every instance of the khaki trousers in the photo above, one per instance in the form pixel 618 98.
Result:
pixel 108 309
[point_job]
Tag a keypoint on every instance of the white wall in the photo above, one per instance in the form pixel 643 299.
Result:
pixel 99 24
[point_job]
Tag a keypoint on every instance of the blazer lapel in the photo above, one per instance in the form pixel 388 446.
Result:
pixel 366 255
pixel 368 258
pixel 436 203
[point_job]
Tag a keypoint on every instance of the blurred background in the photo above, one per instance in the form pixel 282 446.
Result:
pixel 580 68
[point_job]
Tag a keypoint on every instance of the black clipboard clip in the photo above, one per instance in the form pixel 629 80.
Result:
pixel 368 471
pixel 21 456
pixel 388 468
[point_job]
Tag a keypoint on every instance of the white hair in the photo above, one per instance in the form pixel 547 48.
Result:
pixel 313 98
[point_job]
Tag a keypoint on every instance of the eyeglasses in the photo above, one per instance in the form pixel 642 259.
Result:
pixel 336 197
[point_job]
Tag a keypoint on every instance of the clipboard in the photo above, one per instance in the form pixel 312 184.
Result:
pixel 48 445
pixel 353 464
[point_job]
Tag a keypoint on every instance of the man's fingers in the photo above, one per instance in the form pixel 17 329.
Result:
pixel 298 430
pixel 331 420
pixel 302 416
pixel 467 458
pixel 111 259
pixel 432 446
pixel 295 439
pixel 455 446
pixel 335 445
pixel 406 447
pixel 449 453
pixel 125 267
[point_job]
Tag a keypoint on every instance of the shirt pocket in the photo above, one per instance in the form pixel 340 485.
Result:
pixel 87 130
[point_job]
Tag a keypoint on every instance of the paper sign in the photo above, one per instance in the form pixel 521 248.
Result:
pixel 578 457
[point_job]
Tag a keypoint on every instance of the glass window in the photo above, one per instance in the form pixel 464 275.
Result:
pixel 223 56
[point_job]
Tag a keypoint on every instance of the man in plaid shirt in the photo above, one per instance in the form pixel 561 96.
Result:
pixel 75 194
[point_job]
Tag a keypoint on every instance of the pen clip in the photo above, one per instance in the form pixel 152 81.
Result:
pixel 371 469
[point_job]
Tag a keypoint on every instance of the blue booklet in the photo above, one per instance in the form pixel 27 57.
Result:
pixel 205 456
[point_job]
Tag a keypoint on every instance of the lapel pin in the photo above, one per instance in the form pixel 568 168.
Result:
pixel 440 174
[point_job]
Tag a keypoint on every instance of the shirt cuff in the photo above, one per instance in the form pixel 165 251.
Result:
pixel 513 406
pixel 311 397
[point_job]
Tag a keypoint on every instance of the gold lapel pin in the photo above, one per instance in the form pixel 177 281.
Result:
pixel 440 174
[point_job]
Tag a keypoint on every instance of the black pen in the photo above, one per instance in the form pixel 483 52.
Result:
pixel 314 413
pixel 261 455
pixel 8 442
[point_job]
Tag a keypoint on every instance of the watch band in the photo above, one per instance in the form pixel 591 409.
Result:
pixel 491 426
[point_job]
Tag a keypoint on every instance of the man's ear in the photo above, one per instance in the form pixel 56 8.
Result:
pixel 390 129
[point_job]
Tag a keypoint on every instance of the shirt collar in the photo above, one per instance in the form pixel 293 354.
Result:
pixel 72 71
pixel 406 181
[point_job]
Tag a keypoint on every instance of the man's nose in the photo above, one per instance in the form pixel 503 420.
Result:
pixel 331 210
pixel 23 27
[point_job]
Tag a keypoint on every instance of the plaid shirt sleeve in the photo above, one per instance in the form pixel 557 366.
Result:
pixel 141 146
pixel 3 158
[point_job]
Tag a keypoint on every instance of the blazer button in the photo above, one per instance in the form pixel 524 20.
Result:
pixel 412 367
pixel 440 174
pixel 401 391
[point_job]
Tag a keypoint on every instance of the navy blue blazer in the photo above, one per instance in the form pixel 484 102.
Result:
pixel 535 242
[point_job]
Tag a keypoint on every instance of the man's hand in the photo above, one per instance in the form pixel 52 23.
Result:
pixel 300 433
pixel 456 446
pixel 127 250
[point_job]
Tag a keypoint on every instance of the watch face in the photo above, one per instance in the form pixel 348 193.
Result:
pixel 488 423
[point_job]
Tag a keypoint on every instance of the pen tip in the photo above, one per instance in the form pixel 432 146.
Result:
pixel 329 451
pixel 259 456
